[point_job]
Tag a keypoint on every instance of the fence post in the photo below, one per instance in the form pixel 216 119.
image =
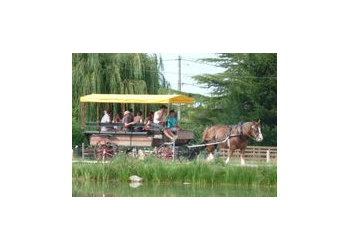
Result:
pixel 82 150
pixel 268 155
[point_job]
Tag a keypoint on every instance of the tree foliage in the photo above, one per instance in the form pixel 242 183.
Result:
pixel 77 135
pixel 102 73
pixel 246 90
pixel 122 73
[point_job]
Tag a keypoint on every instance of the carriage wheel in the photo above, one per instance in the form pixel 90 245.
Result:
pixel 104 151
pixel 193 153
pixel 182 153
pixel 164 152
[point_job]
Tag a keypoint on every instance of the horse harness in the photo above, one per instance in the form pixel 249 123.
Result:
pixel 228 136
pixel 239 132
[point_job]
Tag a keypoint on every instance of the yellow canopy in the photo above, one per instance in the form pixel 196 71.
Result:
pixel 116 98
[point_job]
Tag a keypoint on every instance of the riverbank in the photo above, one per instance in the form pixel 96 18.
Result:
pixel 150 189
pixel 159 171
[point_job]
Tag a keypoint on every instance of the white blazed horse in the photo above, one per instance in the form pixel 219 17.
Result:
pixel 232 138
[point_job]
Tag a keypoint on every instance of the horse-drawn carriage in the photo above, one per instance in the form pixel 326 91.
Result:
pixel 105 143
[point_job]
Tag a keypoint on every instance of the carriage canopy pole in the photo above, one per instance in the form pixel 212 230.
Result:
pixel 98 115
pixel 145 110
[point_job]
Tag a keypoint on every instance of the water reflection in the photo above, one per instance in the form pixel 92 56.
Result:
pixel 135 184
pixel 115 189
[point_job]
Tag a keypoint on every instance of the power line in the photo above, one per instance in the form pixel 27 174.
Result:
pixel 194 84
pixel 273 77
pixel 193 61
pixel 190 60
pixel 199 62
pixel 193 74
pixel 165 72
pixel 168 72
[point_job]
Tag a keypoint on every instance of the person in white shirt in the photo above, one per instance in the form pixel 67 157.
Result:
pixel 105 119
pixel 159 121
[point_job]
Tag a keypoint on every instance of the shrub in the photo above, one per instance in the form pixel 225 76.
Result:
pixel 78 136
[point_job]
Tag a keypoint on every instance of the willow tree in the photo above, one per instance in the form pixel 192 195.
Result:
pixel 124 73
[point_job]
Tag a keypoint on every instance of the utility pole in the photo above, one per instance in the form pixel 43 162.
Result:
pixel 179 88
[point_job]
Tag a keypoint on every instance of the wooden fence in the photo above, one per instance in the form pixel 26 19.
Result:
pixel 254 153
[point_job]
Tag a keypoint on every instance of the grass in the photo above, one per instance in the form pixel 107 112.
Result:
pixel 156 170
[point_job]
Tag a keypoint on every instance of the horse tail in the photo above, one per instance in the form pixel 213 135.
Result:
pixel 204 141
pixel 204 135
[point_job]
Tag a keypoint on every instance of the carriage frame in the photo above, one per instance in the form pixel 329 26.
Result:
pixel 106 144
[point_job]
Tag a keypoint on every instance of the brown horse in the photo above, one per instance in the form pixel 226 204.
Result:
pixel 238 138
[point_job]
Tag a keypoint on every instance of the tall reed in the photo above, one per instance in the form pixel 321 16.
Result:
pixel 156 170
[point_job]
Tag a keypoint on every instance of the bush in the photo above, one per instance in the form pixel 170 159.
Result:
pixel 78 136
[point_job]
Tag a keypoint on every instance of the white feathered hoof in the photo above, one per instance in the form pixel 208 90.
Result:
pixel 210 157
pixel 135 178
pixel 141 155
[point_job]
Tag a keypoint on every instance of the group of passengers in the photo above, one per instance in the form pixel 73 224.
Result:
pixel 136 123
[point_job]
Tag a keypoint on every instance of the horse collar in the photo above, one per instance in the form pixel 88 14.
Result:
pixel 229 130
pixel 240 128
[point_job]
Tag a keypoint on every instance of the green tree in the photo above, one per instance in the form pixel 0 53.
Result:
pixel 123 73
pixel 103 73
pixel 247 90
pixel 77 135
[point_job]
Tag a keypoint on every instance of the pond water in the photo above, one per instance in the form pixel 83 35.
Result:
pixel 117 189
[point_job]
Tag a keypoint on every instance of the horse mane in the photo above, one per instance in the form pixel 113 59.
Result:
pixel 246 126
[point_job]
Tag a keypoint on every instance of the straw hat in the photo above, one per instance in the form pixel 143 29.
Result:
pixel 126 112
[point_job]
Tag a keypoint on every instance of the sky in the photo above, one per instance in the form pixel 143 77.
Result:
pixel 188 69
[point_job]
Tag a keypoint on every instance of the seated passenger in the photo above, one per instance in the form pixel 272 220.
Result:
pixel 127 121
pixel 131 113
pixel 138 119
pixel 105 119
pixel 115 120
pixel 159 120
pixel 149 120
pixel 172 123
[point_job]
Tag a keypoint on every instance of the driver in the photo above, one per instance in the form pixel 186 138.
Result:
pixel 159 121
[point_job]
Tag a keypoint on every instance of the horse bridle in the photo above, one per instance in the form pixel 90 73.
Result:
pixel 242 133
pixel 256 137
